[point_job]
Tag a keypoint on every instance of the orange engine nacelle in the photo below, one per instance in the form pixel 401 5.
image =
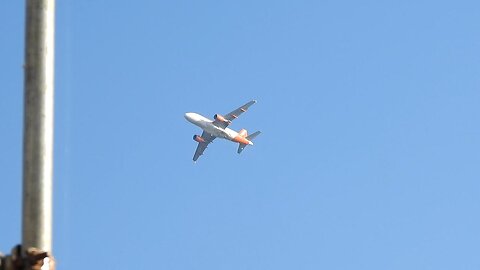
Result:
pixel 220 117
pixel 198 138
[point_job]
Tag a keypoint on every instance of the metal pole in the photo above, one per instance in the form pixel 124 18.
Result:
pixel 38 125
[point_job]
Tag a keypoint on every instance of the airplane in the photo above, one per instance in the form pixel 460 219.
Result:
pixel 218 128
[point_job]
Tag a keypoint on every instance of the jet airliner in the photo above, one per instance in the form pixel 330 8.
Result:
pixel 218 128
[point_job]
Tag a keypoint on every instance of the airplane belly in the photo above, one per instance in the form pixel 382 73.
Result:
pixel 230 133
pixel 215 131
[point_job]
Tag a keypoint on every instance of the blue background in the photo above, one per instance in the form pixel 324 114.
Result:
pixel 369 156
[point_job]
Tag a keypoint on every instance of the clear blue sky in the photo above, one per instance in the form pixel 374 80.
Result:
pixel 369 156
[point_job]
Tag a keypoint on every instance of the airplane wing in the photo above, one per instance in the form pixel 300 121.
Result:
pixel 233 115
pixel 203 145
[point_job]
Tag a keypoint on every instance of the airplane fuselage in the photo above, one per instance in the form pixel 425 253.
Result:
pixel 208 126
pixel 218 128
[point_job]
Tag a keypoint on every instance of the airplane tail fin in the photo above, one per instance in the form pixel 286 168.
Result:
pixel 250 137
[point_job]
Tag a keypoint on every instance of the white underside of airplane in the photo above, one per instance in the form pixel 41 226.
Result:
pixel 217 128
pixel 208 126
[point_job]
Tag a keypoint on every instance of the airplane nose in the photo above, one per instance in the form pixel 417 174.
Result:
pixel 189 116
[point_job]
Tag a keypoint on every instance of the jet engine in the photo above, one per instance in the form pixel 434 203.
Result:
pixel 198 139
pixel 220 117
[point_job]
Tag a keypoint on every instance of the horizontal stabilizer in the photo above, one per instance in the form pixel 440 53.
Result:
pixel 250 137
pixel 241 146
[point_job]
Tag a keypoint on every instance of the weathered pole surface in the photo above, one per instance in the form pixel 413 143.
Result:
pixel 38 125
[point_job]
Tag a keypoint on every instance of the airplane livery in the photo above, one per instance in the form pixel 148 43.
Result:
pixel 218 128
